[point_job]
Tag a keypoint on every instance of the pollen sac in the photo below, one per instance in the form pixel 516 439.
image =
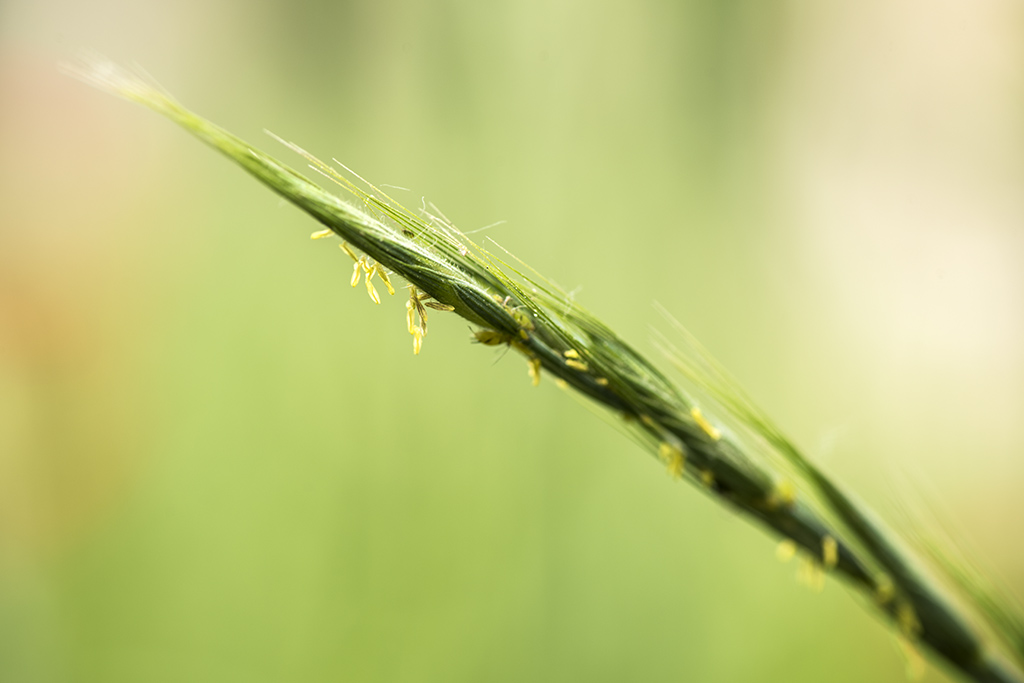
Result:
pixel 676 465
pixel 414 309
pixel 320 234
pixel 417 342
pixel 810 574
pixel 382 274
pixel 785 550
pixel 703 423
pixel 348 250
pixel 665 450
pixel 491 337
pixel 829 552
pixel 907 620
pixel 576 364
pixel 370 289
pixel 523 320
pixel 884 590
pixel 438 306
pixel 533 368
pixel 410 312
pixel 782 495
pixel 673 457
pixel 916 667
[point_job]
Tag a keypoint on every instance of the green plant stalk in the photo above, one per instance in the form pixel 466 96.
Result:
pixel 450 273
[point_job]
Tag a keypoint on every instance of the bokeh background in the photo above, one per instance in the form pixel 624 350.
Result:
pixel 219 463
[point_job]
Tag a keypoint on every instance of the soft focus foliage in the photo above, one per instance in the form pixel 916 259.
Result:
pixel 216 461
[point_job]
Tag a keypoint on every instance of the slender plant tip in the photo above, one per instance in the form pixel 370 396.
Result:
pixel 711 434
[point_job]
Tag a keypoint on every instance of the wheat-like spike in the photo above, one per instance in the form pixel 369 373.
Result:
pixel 540 321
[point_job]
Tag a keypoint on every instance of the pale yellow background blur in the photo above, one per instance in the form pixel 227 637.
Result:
pixel 220 463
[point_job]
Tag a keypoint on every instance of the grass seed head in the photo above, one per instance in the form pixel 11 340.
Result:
pixel 509 303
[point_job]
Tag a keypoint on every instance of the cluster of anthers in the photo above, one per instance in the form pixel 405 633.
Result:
pixel 418 301
pixel 674 454
pixel 416 315
pixel 495 338
pixel 811 570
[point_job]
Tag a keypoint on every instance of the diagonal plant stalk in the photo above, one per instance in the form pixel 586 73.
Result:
pixel 751 467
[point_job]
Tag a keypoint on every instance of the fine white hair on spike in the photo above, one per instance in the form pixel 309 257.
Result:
pixel 570 299
pixel 486 227
pixel 131 83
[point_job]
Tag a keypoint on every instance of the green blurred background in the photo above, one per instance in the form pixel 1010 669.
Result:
pixel 219 463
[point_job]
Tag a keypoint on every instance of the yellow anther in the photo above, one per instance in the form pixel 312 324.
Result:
pixel 438 306
pixel 603 381
pixel 906 617
pixel 491 337
pixel 649 421
pixel 783 495
pixel 810 574
pixel 675 467
pixel 829 552
pixel 523 320
pixel 410 316
pixel 320 234
pixel 413 309
pixel 707 478
pixel 415 306
pixel 385 279
pixel 915 664
pixel 702 422
pixel 571 354
pixel 533 367
pixel 369 288
pixel 561 383
pixel 417 342
pixel 576 364
pixel 524 334
pixel 363 264
pixel 785 550
pixel 673 458
pixel 884 590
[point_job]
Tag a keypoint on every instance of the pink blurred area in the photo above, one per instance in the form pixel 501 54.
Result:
pixel 73 276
